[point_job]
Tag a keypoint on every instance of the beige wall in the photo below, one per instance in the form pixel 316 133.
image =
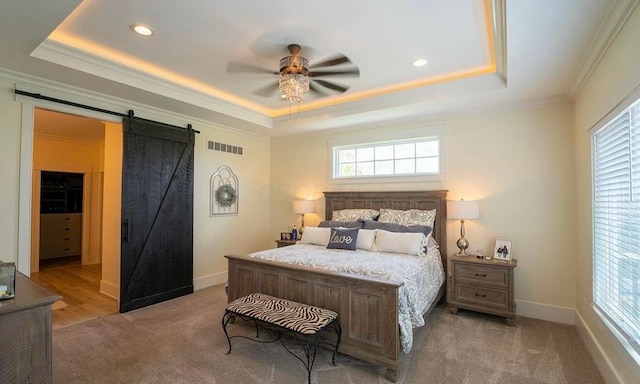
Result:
pixel 10 119
pixel 615 77
pixel 111 209
pixel 518 163
pixel 242 233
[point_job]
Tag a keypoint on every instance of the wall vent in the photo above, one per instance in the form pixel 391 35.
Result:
pixel 215 146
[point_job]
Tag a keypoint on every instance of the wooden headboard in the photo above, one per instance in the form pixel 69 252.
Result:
pixel 401 200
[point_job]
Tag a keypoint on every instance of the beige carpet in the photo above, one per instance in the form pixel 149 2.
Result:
pixel 181 341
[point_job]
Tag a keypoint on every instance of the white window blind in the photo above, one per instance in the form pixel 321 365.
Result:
pixel 616 224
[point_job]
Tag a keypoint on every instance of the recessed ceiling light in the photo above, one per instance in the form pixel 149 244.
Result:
pixel 142 30
pixel 419 62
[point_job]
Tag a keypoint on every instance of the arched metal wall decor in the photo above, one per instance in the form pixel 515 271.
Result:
pixel 224 192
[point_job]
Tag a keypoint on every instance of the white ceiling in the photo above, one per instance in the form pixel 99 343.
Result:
pixel 481 53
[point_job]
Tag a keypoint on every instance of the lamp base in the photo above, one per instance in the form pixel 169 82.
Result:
pixel 462 244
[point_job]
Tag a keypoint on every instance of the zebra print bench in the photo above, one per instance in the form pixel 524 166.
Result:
pixel 284 316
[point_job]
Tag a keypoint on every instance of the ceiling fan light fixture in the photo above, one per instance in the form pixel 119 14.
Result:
pixel 294 76
pixel 293 86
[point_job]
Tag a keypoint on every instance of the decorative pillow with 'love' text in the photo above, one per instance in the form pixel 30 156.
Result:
pixel 343 238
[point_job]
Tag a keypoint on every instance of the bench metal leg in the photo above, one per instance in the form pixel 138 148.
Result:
pixel 309 346
pixel 229 317
pixel 310 349
pixel 338 330
pixel 225 320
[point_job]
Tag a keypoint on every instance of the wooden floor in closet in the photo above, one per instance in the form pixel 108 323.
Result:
pixel 79 287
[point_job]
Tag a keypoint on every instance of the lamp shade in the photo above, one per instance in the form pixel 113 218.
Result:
pixel 303 206
pixel 462 209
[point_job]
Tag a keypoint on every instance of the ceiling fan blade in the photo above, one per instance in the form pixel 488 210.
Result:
pixel 333 86
pixel 267 91
pixel 234 67
pixel 350 72
pixel 337 59
pixel 315 89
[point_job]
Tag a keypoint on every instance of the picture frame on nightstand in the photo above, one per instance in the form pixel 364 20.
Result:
pixel 503 250
pixel 285 235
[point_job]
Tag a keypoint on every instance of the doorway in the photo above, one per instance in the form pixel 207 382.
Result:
pixel 67 214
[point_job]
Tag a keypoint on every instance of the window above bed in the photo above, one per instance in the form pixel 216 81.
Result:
pixel 415 155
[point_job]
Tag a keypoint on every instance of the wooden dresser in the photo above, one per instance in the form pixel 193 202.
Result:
pixel 60 235
pixel 25 334
pixel 481 285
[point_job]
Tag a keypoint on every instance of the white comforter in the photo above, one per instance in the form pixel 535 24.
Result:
pixel 422 275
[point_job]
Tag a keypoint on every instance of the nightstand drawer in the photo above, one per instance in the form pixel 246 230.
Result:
pixel 473 294
pixel 480 274
pixel 481 285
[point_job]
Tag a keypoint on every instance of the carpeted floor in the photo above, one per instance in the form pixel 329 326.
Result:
pixel 181 341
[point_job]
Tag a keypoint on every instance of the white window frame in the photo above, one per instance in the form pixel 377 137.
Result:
pixel 608 222
pixel 388 137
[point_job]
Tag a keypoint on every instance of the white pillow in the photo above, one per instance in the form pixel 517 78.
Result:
pixel 366 239
pixel 400 242
pixel 316 235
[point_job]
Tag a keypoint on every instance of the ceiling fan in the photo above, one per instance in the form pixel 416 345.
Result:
pixel 297 77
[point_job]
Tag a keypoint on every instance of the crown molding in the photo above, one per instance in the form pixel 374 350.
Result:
pixel 435 118
pixel 542 102
pixel 499 28
pixel 415 102
pixel 614 21
pixel 83 61
pixel 63 91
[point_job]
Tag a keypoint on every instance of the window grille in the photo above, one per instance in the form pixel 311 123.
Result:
pixel 390 158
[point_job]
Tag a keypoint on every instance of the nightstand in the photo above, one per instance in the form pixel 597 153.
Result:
pixel 285 243
pixel 481 285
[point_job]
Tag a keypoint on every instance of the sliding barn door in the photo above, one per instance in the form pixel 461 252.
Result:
pixel 157 213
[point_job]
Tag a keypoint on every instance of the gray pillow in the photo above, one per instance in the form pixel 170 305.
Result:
pixel 391 227
pixel 343 238
pixel 343 224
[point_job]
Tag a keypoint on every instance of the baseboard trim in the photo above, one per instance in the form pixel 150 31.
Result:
pixel 209 280
pixel 546 312
pixel 571 316
pixel 113 290
pixel 110 289
pixel 602 361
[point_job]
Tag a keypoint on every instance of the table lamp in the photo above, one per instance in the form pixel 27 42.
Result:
pixel 463 210
pixel 302 207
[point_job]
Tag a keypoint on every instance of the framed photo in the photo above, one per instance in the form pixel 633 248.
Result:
pixel 285 235
pixel 502 250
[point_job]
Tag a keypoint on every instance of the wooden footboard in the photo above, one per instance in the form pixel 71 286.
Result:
pixel 367 307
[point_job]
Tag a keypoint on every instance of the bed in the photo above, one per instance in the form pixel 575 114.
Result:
pixel 368 307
